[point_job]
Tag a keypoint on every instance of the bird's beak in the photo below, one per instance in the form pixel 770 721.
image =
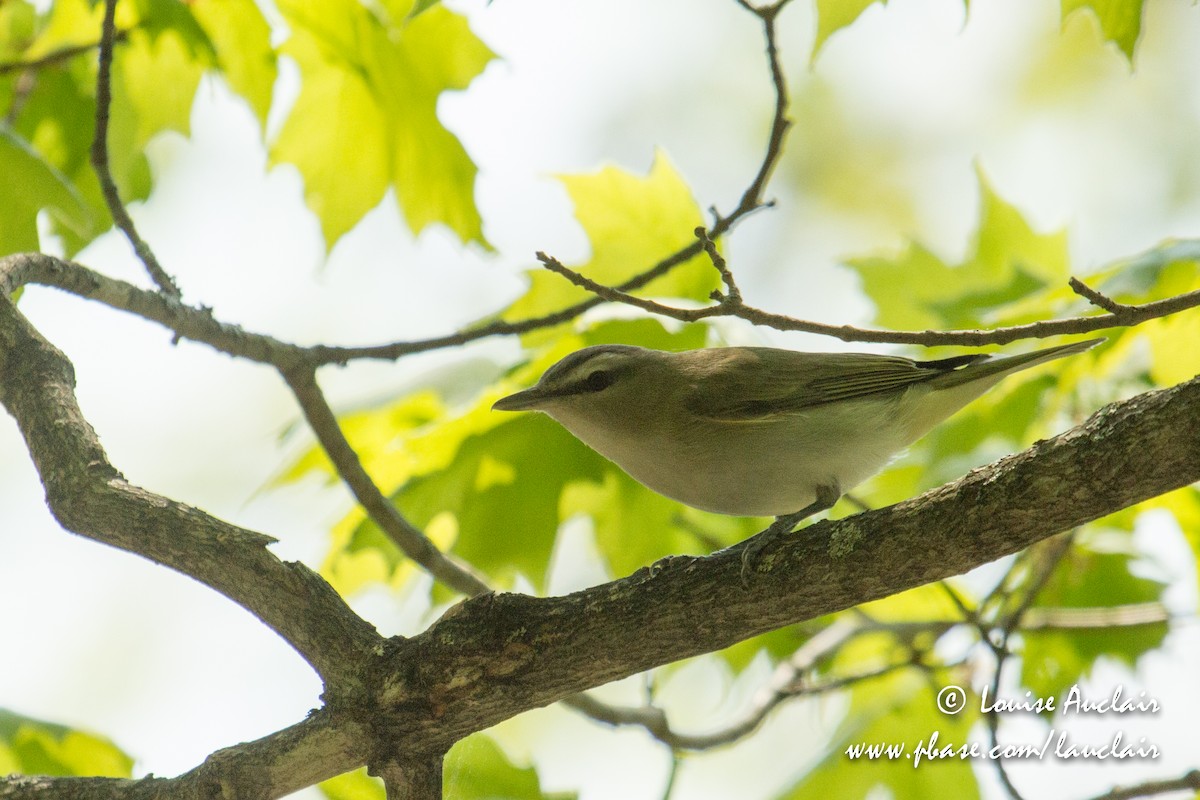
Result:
pixel 520 401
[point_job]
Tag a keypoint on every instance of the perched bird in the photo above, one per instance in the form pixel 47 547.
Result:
pixel 757 431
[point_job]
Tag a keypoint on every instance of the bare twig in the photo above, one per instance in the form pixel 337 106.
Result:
pixel 732 293
pixel 412 542
pixel 108 186
pixel 57 56
pixel 1124 316
pixel 785 683
pixel 780 123
pixel 1096 298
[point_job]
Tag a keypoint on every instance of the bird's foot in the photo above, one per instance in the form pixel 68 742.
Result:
pixel 752 548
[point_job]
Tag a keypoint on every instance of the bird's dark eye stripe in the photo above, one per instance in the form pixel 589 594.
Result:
pixel 597 380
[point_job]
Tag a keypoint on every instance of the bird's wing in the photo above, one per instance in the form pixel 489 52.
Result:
pixel 750 383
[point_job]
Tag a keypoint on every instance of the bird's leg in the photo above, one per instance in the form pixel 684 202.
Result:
pixel 827 495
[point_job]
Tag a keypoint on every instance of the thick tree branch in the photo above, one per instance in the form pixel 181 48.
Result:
pixel 90 497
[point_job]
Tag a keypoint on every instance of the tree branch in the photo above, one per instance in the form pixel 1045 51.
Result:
pixel 108 186
pixel 1120 316
pixel 412 542
pixel 320 747
pixel 88 496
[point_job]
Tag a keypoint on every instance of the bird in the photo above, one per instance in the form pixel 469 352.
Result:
pixel 759 431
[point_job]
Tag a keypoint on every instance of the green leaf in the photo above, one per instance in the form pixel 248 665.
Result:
pixel 164 46
pixel 152 57
pixel 1007 261
pixel 41 187
pixel 503 489
pixel 242 40
pixel 1120 20
pixel 1053 660
pixel 34 747
pixel 632 222
pixel 366 118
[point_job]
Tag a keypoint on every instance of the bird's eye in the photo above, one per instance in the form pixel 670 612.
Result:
pixel 598 380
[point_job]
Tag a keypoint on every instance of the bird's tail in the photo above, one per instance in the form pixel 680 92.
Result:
pixel 999 367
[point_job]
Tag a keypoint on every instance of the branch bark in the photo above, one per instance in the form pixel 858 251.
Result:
pixel 88 496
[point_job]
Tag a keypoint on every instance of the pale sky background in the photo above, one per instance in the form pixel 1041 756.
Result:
pixel 170 670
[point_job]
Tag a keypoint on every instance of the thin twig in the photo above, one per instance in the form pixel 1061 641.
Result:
pixel 57 56
pixel 732 294
pixel 108 186
pixel 780 123
pixel 1124 316
pixel 785 683
pixel 1096 298
pixel 411 541
pixel 676 761
pixel 1053 552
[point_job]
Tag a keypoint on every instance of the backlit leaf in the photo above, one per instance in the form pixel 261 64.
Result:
pixel 34 747
pixel 366 118
pixel 1120 20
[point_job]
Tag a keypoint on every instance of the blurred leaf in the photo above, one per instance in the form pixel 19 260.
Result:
pixel 632 223
pixel 1173 347
pixel 503 489
pixel 42 187
pixel 164 46
pixel 357 785
pixel 475 769
pixel 1162 271
pixel 1006 262
pixel 898 709
pixel 1053 660
pixel 17 24
pixel 242 40
pixel 1120 20
pixel 833 15
pixel 33 747
pixel 142 67
pixel 366 118
pixel 420 6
